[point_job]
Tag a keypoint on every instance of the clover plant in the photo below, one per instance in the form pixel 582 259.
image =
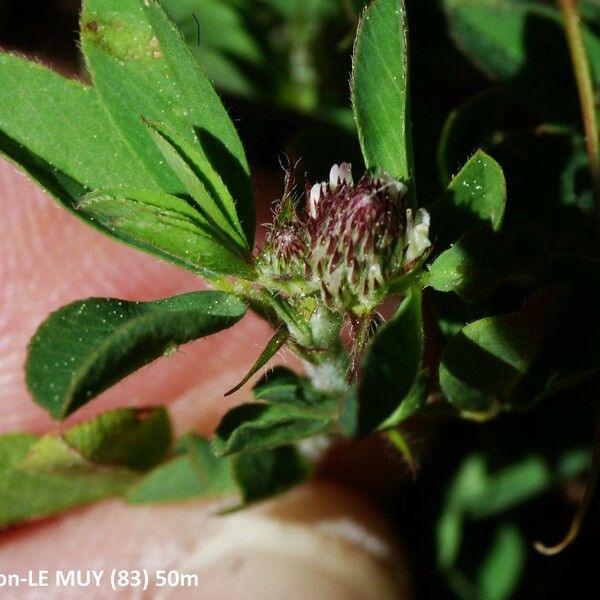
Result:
pixel 147 154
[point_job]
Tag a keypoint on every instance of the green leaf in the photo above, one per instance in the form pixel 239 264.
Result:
pixel 87 346
pixel 484 363
pixel 167 226
pixel 488 121
pixel 268 472
pixel 141 67
pixel 380 89
pixel 200 180
pixel 451 313
pixel 389 369
pixel 474 124
pixel 255 426
pixel 67 156
pixel 194 473
pixel 41 477
pixel 412 403
pixel 493 32
pixel 282 386
pixel 479 490
pixel 175 480
pixel 227 41
pixel 522 43
pixel 475 196
pixel 271 349
pixel 503 566
pixel 481 261
pixel 487 488
pixel 134 438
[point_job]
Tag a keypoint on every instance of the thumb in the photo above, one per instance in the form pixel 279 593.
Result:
pixel 50 258
pixel 317 541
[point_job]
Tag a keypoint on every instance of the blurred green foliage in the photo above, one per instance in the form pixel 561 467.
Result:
pixel 290 53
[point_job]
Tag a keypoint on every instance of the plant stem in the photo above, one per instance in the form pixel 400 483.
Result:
pixel 587 101
pixel 587 96
pixel 360 332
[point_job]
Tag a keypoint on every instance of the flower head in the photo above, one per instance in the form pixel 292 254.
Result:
pixel 349 240
pixel 354 231
pixel 286 243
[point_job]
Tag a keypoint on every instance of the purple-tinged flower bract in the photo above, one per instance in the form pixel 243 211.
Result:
pixel 349 240
pixel 354 231
pixel 286 242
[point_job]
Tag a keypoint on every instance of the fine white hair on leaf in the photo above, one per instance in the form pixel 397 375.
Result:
pixel 315 447
pixel 327 376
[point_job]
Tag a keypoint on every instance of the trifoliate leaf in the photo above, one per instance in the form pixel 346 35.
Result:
pixel 268 472
pixel 142 68
pixel 89 345
pixel 167 226
pixel 195 472
pixel 380 89
pixel 475 196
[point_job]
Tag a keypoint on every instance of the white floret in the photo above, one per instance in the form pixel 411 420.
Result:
pixel 339 175
pixel 417 234
pixel 313 199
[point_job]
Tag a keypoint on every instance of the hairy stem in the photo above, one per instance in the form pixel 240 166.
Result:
pixel 360 326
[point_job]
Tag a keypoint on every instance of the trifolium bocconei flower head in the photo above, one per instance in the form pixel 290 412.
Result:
pixel 286 243
pixel 354 230
pixel 350 239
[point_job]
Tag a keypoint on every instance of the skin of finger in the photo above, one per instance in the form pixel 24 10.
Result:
pixel 318 539
pixel 49 259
